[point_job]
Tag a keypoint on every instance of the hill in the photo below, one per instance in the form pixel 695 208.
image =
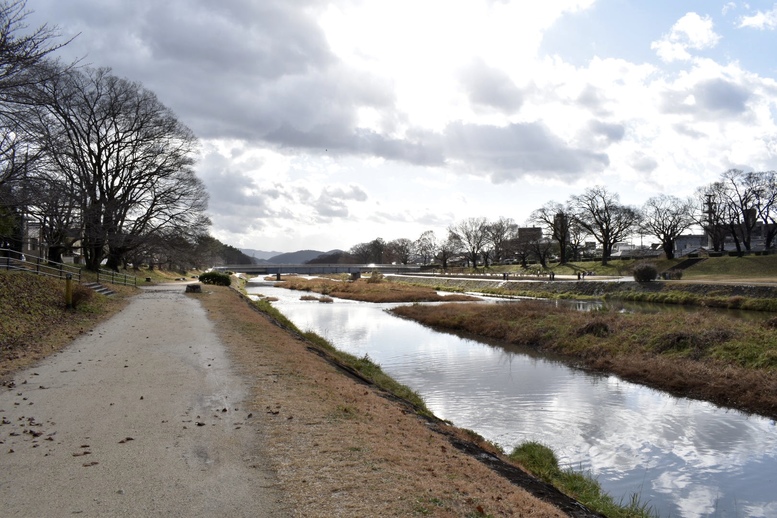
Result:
pixel 259 254
pixel 299 257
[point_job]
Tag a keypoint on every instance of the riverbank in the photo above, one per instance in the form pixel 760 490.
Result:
pixel 706 356
pixel 701 293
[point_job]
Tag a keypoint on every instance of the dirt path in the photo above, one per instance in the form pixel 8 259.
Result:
pixel 141 416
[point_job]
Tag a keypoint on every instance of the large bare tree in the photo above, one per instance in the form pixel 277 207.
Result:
pixel 22 51
pixel 400 250
pixel 557 222
pixel 127 156
pixel 472 233
pixel 425 247
pixel 602 215
pixel 500 234
pixel 666 217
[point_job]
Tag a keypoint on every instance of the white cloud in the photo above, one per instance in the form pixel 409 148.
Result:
pixel 761 20
pixel 690 32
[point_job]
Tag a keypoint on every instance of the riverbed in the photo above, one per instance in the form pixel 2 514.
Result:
pixel 683 457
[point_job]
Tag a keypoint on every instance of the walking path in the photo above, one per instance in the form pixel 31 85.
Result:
pixel 141 416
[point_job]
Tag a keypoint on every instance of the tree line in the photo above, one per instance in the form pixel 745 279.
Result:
pixel 96 160
pixel 738 209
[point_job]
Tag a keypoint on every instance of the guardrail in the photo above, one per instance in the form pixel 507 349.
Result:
pixel 116 278
pixel 13 260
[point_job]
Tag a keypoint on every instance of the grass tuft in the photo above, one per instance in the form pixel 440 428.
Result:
pixel 540 460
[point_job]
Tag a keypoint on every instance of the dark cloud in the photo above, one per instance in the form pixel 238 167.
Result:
pixel 332 202
pixel 721 96
pixel 507 153
pixel 612 132
pixel 685 129
pixel 594 99
pixel 491 88
pixel 713 98
pixel 644 163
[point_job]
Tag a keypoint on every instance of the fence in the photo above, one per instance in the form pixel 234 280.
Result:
pixel 13 260
pixel 116 278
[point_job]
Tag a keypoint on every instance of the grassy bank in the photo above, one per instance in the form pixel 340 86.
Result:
pixel 370 291
pixel 541 461
pixel 702 355
pixel 363 367
pixel 34 321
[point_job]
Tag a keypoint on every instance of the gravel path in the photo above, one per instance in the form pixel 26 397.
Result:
pixel 140 416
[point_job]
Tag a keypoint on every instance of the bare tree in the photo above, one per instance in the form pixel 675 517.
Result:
pixel 473 236
pixel 741 193
pixel 425 247
pixel 557 221
pixel 361 252
pixel 500 233
pixel 447 249
pixel 666 217
pixel 600 213
pixel 400 250
pixel 767 207
pixel 22 51
pixel 128 157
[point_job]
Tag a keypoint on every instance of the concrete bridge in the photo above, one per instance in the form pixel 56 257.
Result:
pixel 316 269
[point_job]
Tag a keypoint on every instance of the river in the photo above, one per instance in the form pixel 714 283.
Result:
pixel 683 457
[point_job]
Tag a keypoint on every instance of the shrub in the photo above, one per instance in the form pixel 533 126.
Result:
pixel 673 275
pixel 217 278
pixel 596 328
pixel 375 277
pixel 81 295
pixel 645 272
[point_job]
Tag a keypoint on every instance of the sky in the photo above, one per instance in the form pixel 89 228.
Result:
pixel 323 124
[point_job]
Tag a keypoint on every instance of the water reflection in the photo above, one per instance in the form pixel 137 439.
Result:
pixel 686 458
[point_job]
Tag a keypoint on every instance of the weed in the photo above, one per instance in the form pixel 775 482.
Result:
pixel 540 460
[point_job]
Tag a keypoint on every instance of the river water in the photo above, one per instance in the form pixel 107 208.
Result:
pixel 684 458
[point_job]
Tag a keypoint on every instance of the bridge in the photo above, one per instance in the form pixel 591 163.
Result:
pixel 316 269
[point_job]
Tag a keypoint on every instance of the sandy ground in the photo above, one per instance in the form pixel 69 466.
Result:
pixel 142 416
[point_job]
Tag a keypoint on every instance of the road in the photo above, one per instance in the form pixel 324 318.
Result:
pixel 140 416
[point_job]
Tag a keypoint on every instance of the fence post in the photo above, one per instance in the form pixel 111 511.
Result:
pixel 68 291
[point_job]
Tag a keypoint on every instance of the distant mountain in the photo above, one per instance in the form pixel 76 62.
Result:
pixel 259 254
pixel 300 257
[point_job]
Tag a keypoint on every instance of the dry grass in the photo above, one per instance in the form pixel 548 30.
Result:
pixel 34 321
pixel 701 355
pixel 371 291
pixel 342 448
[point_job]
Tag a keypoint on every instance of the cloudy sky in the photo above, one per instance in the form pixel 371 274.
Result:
pixel 328 123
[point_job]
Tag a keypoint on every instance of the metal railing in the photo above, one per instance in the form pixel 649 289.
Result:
pixel 116 278
pixel 13 260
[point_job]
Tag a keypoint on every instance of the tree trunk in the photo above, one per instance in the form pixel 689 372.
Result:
pixel 668 247
pixel 55 253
